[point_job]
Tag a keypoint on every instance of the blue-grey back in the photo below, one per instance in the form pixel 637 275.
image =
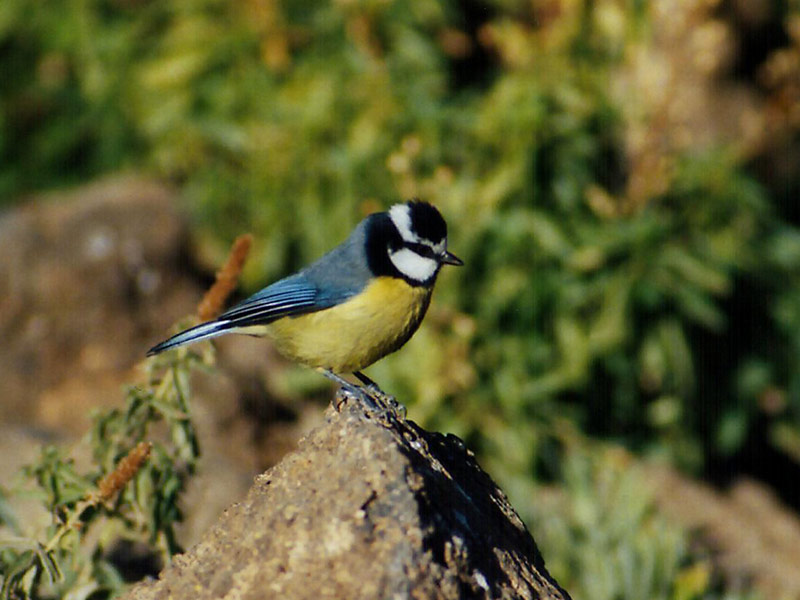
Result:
pixel 338 275
pixel 344 271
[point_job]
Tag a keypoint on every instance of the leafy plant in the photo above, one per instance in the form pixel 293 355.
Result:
pixel 130 493
pixel 604 537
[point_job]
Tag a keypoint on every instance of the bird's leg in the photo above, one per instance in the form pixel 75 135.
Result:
pixel 353 389
pixel 368 382
pixel 389 400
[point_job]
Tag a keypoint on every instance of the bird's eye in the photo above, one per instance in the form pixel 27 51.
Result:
pixel 421 249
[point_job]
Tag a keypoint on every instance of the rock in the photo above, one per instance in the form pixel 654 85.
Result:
pixel 88 278
pixel 754 539
pixel 365 508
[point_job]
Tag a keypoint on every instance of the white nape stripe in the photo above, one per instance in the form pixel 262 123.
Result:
pixel 412 265
pixel 400 214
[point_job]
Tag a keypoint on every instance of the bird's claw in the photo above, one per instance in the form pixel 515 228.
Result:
pixel 369 395
pixel 387 401
pixel 373 399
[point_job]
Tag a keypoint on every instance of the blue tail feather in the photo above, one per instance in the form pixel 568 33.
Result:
pixel 195 334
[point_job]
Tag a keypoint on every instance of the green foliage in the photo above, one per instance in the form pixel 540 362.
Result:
pixel 64 67
pixel 607 537
pixel 612 302
pixel 113 500
pixel 646 288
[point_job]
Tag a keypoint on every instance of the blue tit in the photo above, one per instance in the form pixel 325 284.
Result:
pixel 359 302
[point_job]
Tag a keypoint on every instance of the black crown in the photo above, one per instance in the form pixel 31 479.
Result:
pixel 426 221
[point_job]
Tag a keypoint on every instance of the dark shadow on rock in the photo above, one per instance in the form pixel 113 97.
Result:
pixel 460 504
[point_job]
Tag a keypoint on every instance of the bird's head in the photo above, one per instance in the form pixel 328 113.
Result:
pixel 416 242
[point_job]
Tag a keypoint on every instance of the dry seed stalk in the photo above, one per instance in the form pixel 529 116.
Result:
pixel 214 299
pixel 122 473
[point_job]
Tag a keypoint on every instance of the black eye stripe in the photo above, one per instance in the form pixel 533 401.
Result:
pixel 421 249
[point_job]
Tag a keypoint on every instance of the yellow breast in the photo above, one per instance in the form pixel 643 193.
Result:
pixel 352 335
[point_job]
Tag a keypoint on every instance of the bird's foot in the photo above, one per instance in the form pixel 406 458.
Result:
pixel 361 394
pixel 370 396
pixel 388 401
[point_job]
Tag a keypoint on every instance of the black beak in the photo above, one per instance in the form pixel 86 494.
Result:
pixel 451 259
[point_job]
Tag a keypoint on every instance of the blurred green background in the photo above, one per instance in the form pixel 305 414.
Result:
pixel 620 177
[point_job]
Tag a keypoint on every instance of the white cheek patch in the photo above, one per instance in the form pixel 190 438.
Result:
pixel 412 265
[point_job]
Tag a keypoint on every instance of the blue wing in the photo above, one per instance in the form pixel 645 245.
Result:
pixel 291 296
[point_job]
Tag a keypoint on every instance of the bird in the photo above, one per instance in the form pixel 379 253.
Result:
pixel 362 300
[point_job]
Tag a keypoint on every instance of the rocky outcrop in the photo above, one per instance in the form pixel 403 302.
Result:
pixel 368 507
pixel 88 278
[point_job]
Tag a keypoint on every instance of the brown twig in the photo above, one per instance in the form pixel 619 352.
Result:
pixel 214 299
